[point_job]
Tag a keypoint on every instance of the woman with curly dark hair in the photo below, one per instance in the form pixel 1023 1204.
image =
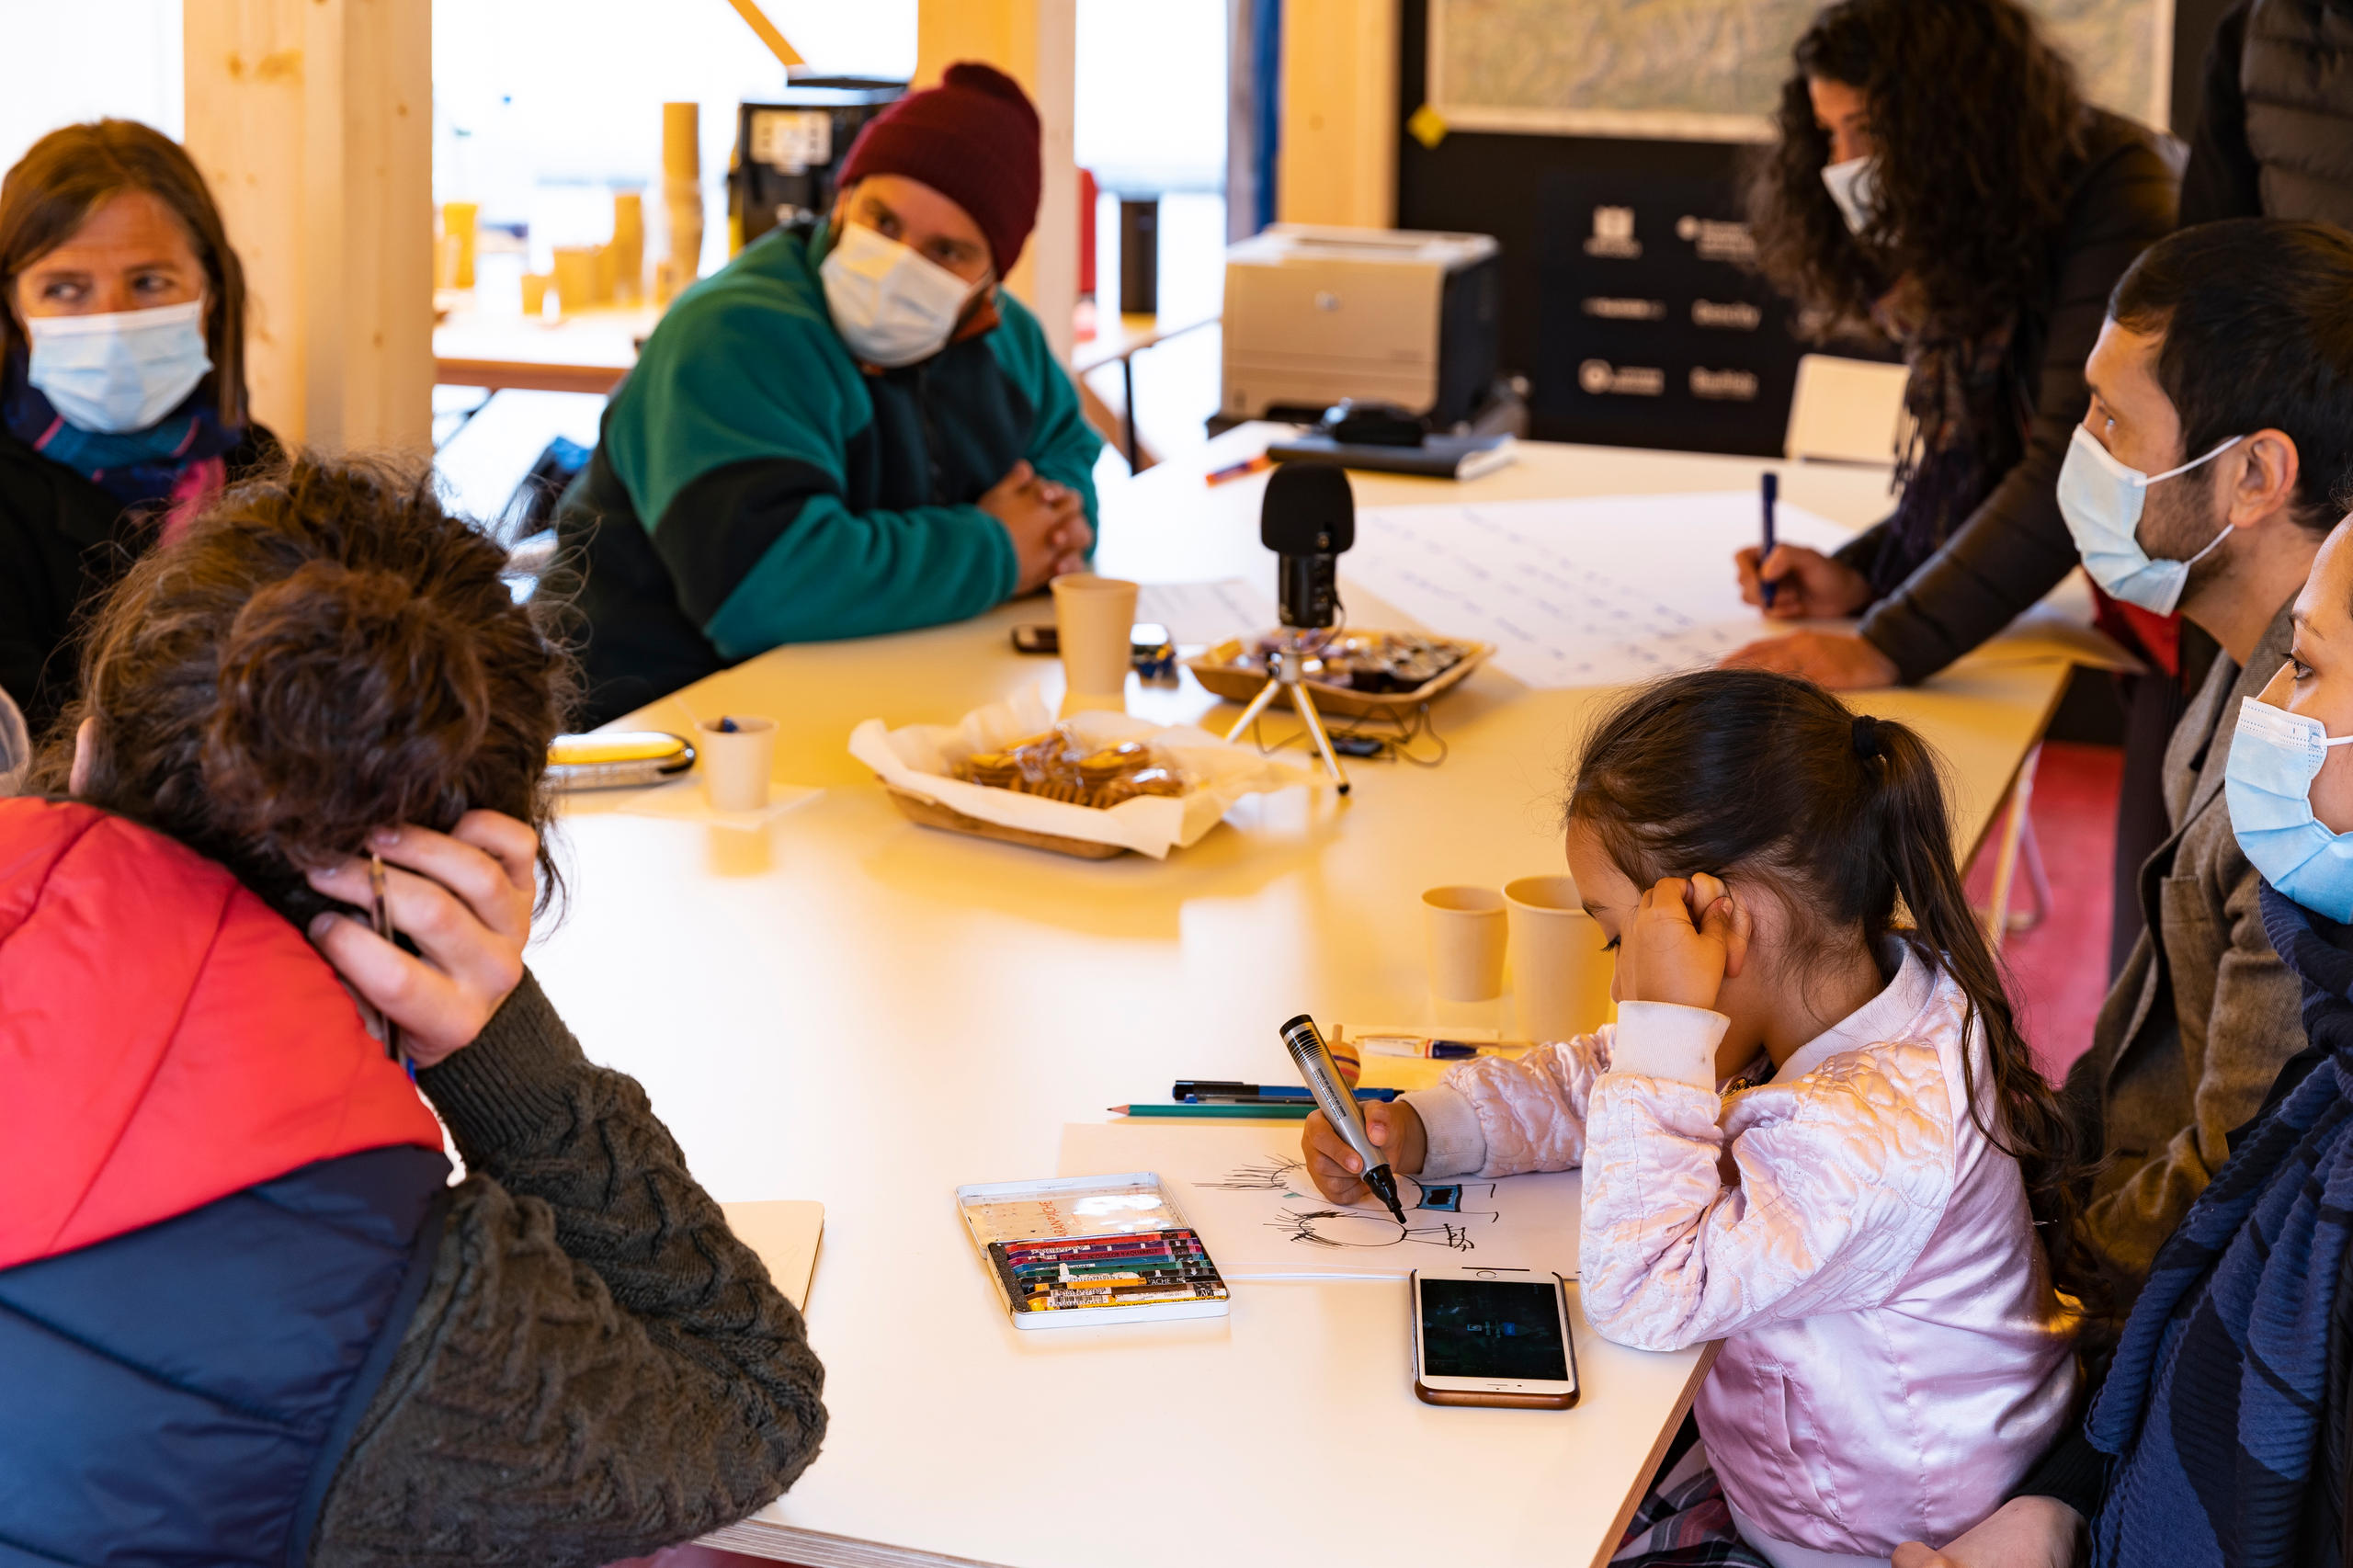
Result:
pixel 1939 177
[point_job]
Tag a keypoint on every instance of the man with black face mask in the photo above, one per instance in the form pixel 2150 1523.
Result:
pixel 2204 478
pixel 850 429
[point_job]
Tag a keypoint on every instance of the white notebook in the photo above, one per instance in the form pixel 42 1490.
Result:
pixel 785 1233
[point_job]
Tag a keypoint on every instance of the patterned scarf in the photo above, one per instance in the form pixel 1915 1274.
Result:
pixel 177 459
pixel 1969 428
pixel 2214 1404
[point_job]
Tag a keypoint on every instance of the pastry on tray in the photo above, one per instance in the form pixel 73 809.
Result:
pixel 1059 767
pixel 1373 662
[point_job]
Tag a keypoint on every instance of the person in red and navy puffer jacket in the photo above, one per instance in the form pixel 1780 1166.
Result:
pixel 244 1317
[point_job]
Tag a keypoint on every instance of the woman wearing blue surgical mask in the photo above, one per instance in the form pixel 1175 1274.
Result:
pixel 1940 184
pixel 122 393
pixel 2222 1432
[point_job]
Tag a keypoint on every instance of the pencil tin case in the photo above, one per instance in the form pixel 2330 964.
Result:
pixel 1072 1252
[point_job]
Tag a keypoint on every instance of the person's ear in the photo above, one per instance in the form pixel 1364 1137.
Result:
pixel 86 742
pixel 2265 483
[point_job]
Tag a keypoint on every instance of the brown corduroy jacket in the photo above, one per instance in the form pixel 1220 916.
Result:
pixel 2203 1015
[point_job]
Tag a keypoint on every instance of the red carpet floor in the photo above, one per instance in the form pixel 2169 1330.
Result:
pixel 2059 970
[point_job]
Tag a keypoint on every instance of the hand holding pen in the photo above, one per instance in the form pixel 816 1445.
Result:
pixel 464 898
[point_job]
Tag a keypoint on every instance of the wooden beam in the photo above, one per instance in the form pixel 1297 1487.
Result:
pixel 312 119
pixel 1036 43
pixel 1337 161
pixel 757 21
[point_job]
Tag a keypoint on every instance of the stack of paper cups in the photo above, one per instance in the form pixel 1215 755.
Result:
pixel 682 190
pixel 1560 967
pixel 1093 616
pixel 737 756
pixel 458 220
pixel 628 243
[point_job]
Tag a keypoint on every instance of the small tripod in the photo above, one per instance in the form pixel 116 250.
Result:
pixel 1284 673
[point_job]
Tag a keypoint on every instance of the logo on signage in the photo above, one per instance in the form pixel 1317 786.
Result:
pixel 1724 386
pixel 1716 240
pixel 1626 310
pixel 1613 234
pixel 1599 378
pixel 1733 315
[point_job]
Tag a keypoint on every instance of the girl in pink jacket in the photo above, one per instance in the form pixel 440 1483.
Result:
pixel 1815 1132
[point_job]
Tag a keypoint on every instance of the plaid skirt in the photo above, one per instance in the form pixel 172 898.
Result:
pixel 1683 1521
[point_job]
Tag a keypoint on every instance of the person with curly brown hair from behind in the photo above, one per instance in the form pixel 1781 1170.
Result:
pixel 244 1317
pixel 1939 180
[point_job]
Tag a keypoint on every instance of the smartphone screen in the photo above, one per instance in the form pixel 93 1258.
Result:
pixel 1493 1328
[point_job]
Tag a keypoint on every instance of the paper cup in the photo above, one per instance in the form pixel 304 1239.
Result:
pixel 735 764
pixel 1466 937
pixel 1093 616
pixel 1560 968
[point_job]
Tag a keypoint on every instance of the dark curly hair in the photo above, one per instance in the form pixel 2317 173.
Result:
pixel 323 652
pixel 1977 120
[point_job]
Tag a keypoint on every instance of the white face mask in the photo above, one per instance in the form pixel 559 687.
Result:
pixel 1854 186
pixel 2101 500
pixel 121 372
pixel 891 306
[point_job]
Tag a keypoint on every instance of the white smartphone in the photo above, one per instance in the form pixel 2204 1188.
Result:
pixel 1495 1336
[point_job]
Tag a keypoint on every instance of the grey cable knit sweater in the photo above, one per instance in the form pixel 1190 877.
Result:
pixel 599 1368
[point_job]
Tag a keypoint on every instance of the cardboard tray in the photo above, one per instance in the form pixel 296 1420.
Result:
pixel 931 813
pixel 1215 669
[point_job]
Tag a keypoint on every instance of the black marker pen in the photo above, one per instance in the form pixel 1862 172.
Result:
pixel 1313 1059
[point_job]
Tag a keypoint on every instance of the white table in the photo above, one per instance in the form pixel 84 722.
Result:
pixel 848 1008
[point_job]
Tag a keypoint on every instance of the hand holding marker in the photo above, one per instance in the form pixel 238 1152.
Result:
pixel 1765 584
pixel 1313 1059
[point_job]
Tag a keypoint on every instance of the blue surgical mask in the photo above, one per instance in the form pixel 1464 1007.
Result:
pixel 2267 782
pixel 1854 186
pixel 121 372
pixel 2101 499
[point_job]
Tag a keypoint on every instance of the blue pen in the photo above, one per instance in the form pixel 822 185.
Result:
pixel 1772 495
pixel 1188 1091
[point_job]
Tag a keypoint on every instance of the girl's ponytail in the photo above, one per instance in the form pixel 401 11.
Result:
pixel 2030 1122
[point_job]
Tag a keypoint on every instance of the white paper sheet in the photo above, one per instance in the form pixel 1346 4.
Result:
pixel 1261 1217
pixel 785 1233
pixel 1594 592
pixel 1206 613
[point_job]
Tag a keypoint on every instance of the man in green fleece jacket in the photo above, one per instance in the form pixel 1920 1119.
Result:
pixel 850 429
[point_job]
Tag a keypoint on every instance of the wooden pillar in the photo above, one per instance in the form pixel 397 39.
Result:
pixel 1036 43
pixel 313 121
pixel 1338 160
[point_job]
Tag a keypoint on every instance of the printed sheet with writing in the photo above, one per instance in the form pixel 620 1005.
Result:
pixel 1577 593
pixel 1246 1192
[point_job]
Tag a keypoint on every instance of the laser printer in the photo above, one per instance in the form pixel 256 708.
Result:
pixel 1314 315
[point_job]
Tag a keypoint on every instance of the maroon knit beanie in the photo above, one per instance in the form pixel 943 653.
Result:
pixel 975 140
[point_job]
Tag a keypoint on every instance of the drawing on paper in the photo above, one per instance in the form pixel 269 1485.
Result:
pixel 1326 1227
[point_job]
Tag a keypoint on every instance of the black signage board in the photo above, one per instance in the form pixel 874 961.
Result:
pixel 1652 327
pixel 1572 314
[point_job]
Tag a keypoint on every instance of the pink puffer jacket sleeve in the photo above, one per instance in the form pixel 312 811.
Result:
pixel 1500 1116
pixel 1841 1178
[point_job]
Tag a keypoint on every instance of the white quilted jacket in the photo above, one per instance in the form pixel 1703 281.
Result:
pixel 1894 1356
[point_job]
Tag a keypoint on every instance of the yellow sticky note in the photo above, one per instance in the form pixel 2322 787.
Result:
pixel 1428 125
